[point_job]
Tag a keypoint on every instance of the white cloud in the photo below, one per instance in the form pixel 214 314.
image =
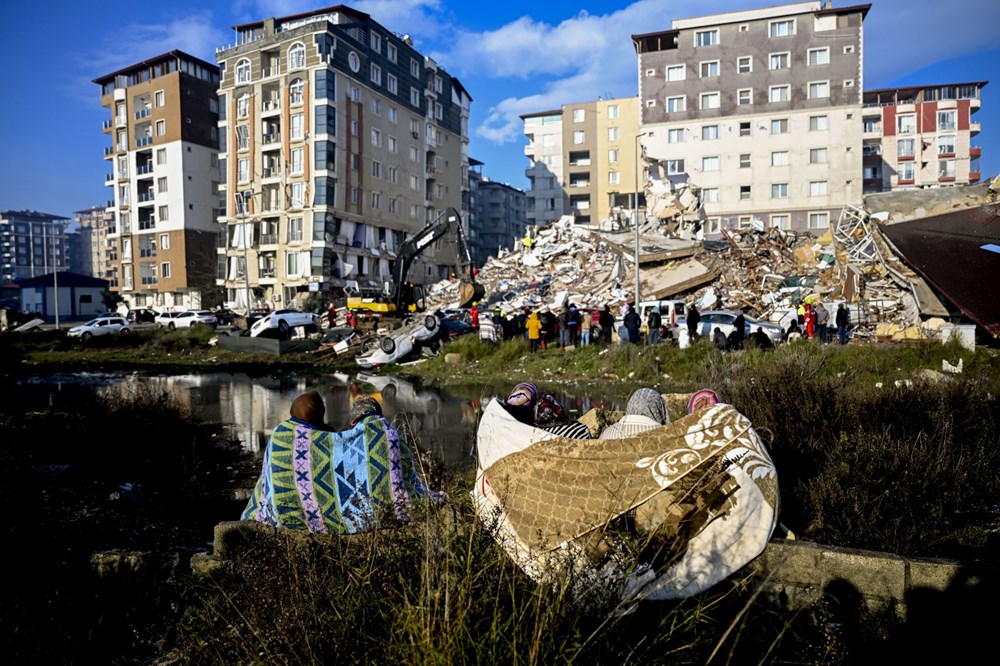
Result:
pixel 415 17
pixel 194 34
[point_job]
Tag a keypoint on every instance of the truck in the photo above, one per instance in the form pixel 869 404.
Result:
pixel 400 299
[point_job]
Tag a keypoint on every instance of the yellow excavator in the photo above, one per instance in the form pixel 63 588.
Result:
pixel 400 299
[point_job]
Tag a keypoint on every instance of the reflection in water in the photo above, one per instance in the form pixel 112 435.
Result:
pixel 443 422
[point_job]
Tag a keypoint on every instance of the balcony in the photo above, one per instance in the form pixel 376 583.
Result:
pixel 975 127
pixel 275 70
pixel 109 151
pixel 143 141
pixel 267 273
pixel 975 176
pixel 145 196
pixel 121 121
pixel 975 152
pixel 272 137
pixel 269 239
pixel 143 113
pixel 106 125
pixel 270 105
pixel 109 179
pixel 144 170
pixel 269 172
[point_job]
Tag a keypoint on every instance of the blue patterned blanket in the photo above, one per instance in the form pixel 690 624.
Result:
pixel 334 482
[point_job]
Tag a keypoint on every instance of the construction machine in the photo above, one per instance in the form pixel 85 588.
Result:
pixel 399 299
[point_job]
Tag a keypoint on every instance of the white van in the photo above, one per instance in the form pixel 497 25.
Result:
pixel 670 313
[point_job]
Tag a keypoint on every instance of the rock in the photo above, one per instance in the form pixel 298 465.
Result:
pixel 452 358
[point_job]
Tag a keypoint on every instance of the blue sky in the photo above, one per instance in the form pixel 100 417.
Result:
pixel 514 57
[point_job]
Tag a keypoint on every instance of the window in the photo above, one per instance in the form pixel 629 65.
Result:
pixel 376 106
pixel 391 52
pixel 819 123
pixel 414 183
pixel 819 89
pixel 393 145
pixel 296 129
pixel 779 158
pixel 375 41
pixel 376 200
pixel 612 134
pixel 675 167
pixel 161 155
pixel 710 195
pixel 675 73
pixel 779 126
pixel 243 106
pixel 675 104
pixel 296 56
pixel 298 195
pixel 710 163
pixel 744 192
pixel 164 240
pixel 243 170
pixel 391 83
pixel 779 190
pixel 414 97
pixel 780 221
pixel 393 115
pixel 744 96
pixel 906 124
pixel 946 144
pixel 613 156
pixel 745 128
pixel 243 71
pixel 780 60
pixel 292 263
pixel 159 98
pixel 675 135
pixel 817 156
pixel 779 93
pixel 709 69
pixel 817 188
pixel 354 93
pixel 161 127
pixel 709 132
pixel 376 137
pixel 376 169
pixel 904 148
pixel 818 57
pixel 579 115
pixel 744 64
pixel 165 270
pixel 706 37
pixel 579 136
pixel 709 100
pixel 946 168
pixel 819 220
pixel 295 91
pixel 614 178
pixel 781 28
pixel 438 84
pixel 162 214
pixel 612 111
pixel 439 110
pixel 414 68
pixel 744 160
pixel 946 120
pixel 650 103
pixel 375 74
pixel 297 165
pixel 906 170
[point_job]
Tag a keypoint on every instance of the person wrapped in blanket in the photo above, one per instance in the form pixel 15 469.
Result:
pixel 335 482
pixel 645 410
pixel 543 411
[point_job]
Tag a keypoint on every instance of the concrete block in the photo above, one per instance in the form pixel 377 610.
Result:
pixel 932 574
pixel 452 358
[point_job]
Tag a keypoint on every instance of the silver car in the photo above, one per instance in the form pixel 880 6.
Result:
pixel 101 326
pixel 723 320
pixel 190 318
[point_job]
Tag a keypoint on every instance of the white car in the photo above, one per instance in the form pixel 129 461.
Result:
pixel 402 342
pixel 190 318
pixel 283 321
pixel 101 326
pixel 723 320
pixel 163 319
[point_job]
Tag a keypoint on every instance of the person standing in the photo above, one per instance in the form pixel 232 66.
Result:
pixel 822 321
pixel 563 322
pixel 739 331
pixel 632 323
pixel 810 317
pixel 533 328
pixel 843 320
pixel 573 324
pixel 587 322
pixel 654 321
pixel 474 316
pixel 693 319
pixel 606 321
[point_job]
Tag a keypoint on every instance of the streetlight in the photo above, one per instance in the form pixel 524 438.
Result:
pixel 635 213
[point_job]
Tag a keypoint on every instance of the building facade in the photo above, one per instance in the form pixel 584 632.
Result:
pixel 761 109
pixel 31 244
pixel 164 175
pixel 921 136
pixel 91 251
pixel 501 219
pixel 547 201
pixel 338 140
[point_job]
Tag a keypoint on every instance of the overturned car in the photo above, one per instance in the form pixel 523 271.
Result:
pixel 418 335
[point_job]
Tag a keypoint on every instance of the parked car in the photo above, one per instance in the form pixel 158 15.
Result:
pixel 723 319
pixel 281 323
pixel 400 344
pixel 101 326
pixel 164 319
pixel 141 316
pixel 453 328
pixel 190 318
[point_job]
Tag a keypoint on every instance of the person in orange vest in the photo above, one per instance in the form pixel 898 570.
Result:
pixel 474 316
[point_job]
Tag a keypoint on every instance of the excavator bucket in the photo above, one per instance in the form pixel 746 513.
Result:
pixel 469 291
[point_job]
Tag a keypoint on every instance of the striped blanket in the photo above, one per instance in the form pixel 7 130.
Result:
pixel 334 482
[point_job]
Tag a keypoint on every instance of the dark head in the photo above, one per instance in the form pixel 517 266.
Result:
pixel 364 407
pixel 309 407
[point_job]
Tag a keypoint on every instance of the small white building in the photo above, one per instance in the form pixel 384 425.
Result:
pixel 76 296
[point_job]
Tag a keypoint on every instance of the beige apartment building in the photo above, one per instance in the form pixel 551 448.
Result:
pixel 583 160
pixel 921 136
pixel 761 109
pixel 338 141
pixel 164 166
pixel 95 253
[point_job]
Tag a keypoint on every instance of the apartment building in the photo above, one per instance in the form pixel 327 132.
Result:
pixel 761 109
pixel 547 201
pixel 91 251
pixel 339 140
pixel 501 219
pixel 32 244
pixel 921 136
pixel 164 166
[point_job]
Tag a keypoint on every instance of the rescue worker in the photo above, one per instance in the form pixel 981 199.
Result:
pixel 474 316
